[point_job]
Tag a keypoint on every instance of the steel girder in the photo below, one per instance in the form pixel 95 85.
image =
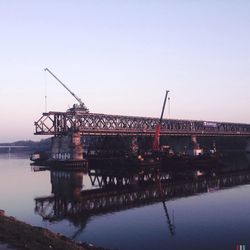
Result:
pixel 59 123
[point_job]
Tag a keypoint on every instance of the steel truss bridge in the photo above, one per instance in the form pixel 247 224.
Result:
pixel 61 123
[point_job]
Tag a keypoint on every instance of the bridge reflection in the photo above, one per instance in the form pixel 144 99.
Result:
pixel 120 190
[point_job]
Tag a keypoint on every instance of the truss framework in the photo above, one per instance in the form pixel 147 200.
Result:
pixel 60 123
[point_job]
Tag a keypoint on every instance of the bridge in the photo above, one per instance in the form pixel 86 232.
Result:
pixel 61 123
pixel 68 128
pixel 9 147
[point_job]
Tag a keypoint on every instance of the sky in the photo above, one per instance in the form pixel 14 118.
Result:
pixel 121 56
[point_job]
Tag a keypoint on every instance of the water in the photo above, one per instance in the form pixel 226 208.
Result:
pixel 133 216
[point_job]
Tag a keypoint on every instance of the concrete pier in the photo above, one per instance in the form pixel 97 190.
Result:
pixel 77 147
pixel 67 147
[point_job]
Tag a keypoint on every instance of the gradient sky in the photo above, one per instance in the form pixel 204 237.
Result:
pixel 119 57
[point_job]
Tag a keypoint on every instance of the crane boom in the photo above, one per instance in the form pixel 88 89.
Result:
pixel 82 105
pixel 158 126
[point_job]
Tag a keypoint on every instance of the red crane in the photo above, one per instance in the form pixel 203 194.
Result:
pixel 158 126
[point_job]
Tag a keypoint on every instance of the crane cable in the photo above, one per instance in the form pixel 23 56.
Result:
pixel 45 91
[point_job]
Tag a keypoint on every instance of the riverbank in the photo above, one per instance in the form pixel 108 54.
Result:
pixel 20 235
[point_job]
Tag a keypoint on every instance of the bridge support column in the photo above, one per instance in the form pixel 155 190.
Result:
pixel 134 146
pixel 60 147
pixel 195 150
pixel 77 147
pixel 248 145
pixel 195 142
pixel 55 147
pixel 67 147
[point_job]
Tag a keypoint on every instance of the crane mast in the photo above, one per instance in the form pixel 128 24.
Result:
pixel 82 105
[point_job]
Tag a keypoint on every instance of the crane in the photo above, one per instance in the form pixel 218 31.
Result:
pixel 82 105
pixel 158 126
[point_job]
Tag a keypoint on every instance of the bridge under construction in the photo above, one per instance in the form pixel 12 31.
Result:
pixel 61 123
pixel 69 127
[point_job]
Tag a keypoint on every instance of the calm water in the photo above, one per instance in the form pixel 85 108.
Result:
pixel 211 211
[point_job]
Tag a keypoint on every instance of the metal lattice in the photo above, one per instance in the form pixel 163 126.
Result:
pixel 59 123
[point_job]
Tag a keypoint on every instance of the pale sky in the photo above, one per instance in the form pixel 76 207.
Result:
pixel 119 57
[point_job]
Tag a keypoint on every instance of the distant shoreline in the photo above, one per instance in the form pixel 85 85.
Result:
pixel 26 146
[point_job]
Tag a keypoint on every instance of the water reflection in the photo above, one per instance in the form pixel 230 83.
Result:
pixel 122 189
